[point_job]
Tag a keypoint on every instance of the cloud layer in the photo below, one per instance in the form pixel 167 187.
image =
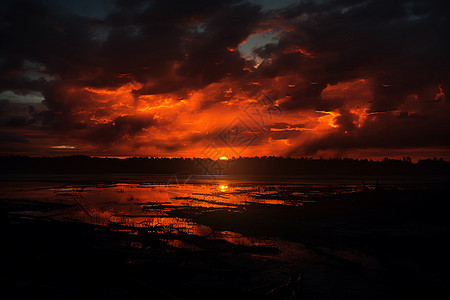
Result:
pixel 169 78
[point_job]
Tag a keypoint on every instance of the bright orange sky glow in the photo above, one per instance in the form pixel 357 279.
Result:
pixel 227 80
pixel 191 126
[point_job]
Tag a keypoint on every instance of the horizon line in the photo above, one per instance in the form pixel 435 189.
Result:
pixel 405 158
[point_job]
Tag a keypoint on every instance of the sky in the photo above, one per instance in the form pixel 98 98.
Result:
pixel 174 78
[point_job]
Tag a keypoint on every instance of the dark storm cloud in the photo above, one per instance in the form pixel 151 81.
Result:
pixel 346 121
pixel 403 44
pixel 176 47
pixel 171 45
pixel 143 41
pixel 166 46
pixel 58 40
pixel 386 130
pixel 401 47
pixel 120 128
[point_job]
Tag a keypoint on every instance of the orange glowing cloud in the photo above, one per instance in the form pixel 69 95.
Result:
pixel 222 80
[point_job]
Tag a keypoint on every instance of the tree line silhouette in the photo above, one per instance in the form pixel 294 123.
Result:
pixel 265 165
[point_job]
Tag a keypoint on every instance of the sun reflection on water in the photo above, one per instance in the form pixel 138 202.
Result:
pixel 162 209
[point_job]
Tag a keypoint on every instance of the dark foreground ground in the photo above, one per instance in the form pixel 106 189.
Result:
pixel 377 244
